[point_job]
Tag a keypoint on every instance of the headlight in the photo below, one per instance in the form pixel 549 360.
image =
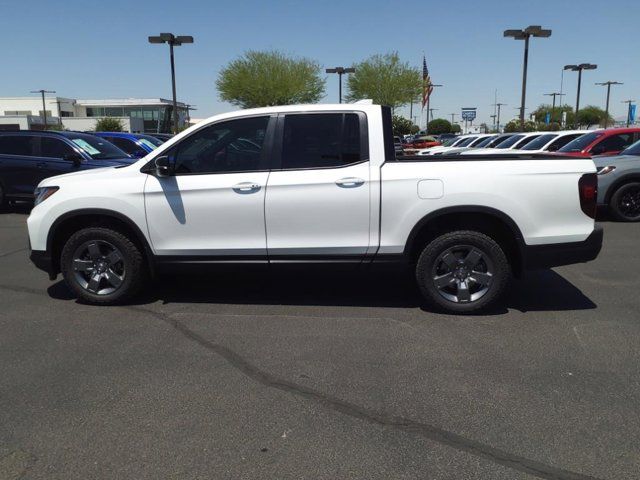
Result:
pixel 607 169
pixel 42 193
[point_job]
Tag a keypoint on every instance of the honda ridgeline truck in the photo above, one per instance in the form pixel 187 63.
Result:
pixel 313 184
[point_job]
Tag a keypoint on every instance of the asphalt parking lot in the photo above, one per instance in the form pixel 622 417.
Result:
pixel 321 377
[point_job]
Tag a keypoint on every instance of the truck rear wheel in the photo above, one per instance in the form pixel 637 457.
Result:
pixel 462 272
pixel 102 266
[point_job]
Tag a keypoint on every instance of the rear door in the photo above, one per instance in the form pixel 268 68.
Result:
pixel 613 144
pixel 318 194
pixel 19 171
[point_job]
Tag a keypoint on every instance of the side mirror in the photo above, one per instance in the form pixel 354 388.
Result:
pixel 163 166
pixel 76 158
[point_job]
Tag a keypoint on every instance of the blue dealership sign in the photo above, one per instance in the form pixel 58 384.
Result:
pixel 632 113
pixel 547 118
pixel 469 114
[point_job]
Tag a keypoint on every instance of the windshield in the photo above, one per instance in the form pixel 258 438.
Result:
pixel 508 143
pixel 540 142
pixel 497 140
pixel 633 149
pixel 525 141
pixel 466 142
pixel 98 148
pixel 477 142
pixel 580 143
pixel 450 141
pixel 156 142
pixel 484 142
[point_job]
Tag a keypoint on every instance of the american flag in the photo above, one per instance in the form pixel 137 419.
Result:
pixel 427 86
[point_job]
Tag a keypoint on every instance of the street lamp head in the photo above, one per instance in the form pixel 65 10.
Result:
pixel 167 37
pixel 571 67
pixel 515 34
pixel 184 39
pixel 171 39
pixel 537 31
pixel 587 66
pixel 340 70
pixel 155 40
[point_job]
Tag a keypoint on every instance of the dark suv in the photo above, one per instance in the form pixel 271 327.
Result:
pixel 27 157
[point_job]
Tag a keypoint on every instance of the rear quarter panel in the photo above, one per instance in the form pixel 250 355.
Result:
pixel 540 196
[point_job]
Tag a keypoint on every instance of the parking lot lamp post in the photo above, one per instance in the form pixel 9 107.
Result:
pixel 173 41
pixel 608 85
pixel 498 115
pixel 44 108
pixel 340 71
pixel 628 102
pixel 579 68
pixel 530 31
pixel 430 86
pixel 553 104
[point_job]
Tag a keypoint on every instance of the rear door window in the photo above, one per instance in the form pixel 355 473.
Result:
pixel 18 145
pixel 321 140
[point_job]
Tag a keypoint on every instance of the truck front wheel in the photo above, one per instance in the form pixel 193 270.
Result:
pixel 102 266
pixel 462 272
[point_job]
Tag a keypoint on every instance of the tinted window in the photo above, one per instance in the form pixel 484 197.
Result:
pixel 233 146
pixel 17 145
pixel 477 142
pixel 126 145
pixel 614 143
pixel 540 142
pixel 498 140
pixel 153 140
pixel 525 141
pixel 633 149
pixel 55 148
pixel 562 141
pixel 484 142
pixel 509 142
pixel 321 140
pixel 580 143
pixel 466 142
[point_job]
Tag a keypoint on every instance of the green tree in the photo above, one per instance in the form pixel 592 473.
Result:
pixel 109 124
pixel 438 126
pixel 403 126
pixel 455 128
pixel 540 113
pixel 262 79
pixel 592 115
pixel 514 126
pixel 384 79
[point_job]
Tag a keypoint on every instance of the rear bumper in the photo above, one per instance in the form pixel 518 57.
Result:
pixel 558 254
pixel 42 260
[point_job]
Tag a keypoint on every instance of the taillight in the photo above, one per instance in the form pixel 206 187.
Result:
pixel 588 190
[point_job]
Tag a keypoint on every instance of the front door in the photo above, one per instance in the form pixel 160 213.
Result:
pixel 317 203
pixel 213 203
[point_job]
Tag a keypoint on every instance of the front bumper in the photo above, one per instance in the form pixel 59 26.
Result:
pixel 558 254
pixel 42 260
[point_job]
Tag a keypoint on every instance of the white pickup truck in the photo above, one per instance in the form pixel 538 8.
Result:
pixel 315 184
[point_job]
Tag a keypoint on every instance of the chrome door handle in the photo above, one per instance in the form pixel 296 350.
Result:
pixel 350 182
pixel 246 187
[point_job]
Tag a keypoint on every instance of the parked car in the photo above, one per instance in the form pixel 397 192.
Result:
pixel 602 142
pixel 324 186
pixel 135 144
pixel 619 183
pixel 162 136
pixel 471 142
pixel 28 157
pixel 552 141
pixel 514 142
pixel 398 145
pixel 422 141
pixel 446 145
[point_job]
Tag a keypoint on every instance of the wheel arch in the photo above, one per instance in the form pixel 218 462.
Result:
pixel 490 221
pixel 70 222
pixel 630 177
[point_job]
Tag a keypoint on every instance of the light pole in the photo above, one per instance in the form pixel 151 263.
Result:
pixel 628 102
pixel 189 107
pixel 431 110
pixel 530 31
pixel 173 41
pixel 44 108
pixel 340 71
pixel 453 115
pixel 553 105
pixel 579 68
pixel 608 85
pixel 493 117
pixel 498 114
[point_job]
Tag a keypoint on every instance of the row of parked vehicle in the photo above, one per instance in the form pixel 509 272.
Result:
pixel 28 157
pixel 615 151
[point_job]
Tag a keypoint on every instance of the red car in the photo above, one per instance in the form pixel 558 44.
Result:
pixel 601 142
pixel 419 143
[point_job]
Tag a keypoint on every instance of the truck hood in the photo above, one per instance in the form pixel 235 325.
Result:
pixel 88 173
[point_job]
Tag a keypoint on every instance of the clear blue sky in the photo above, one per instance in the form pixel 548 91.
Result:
pixel 99 49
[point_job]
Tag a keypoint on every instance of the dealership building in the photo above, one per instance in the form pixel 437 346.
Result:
pixel 149 115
